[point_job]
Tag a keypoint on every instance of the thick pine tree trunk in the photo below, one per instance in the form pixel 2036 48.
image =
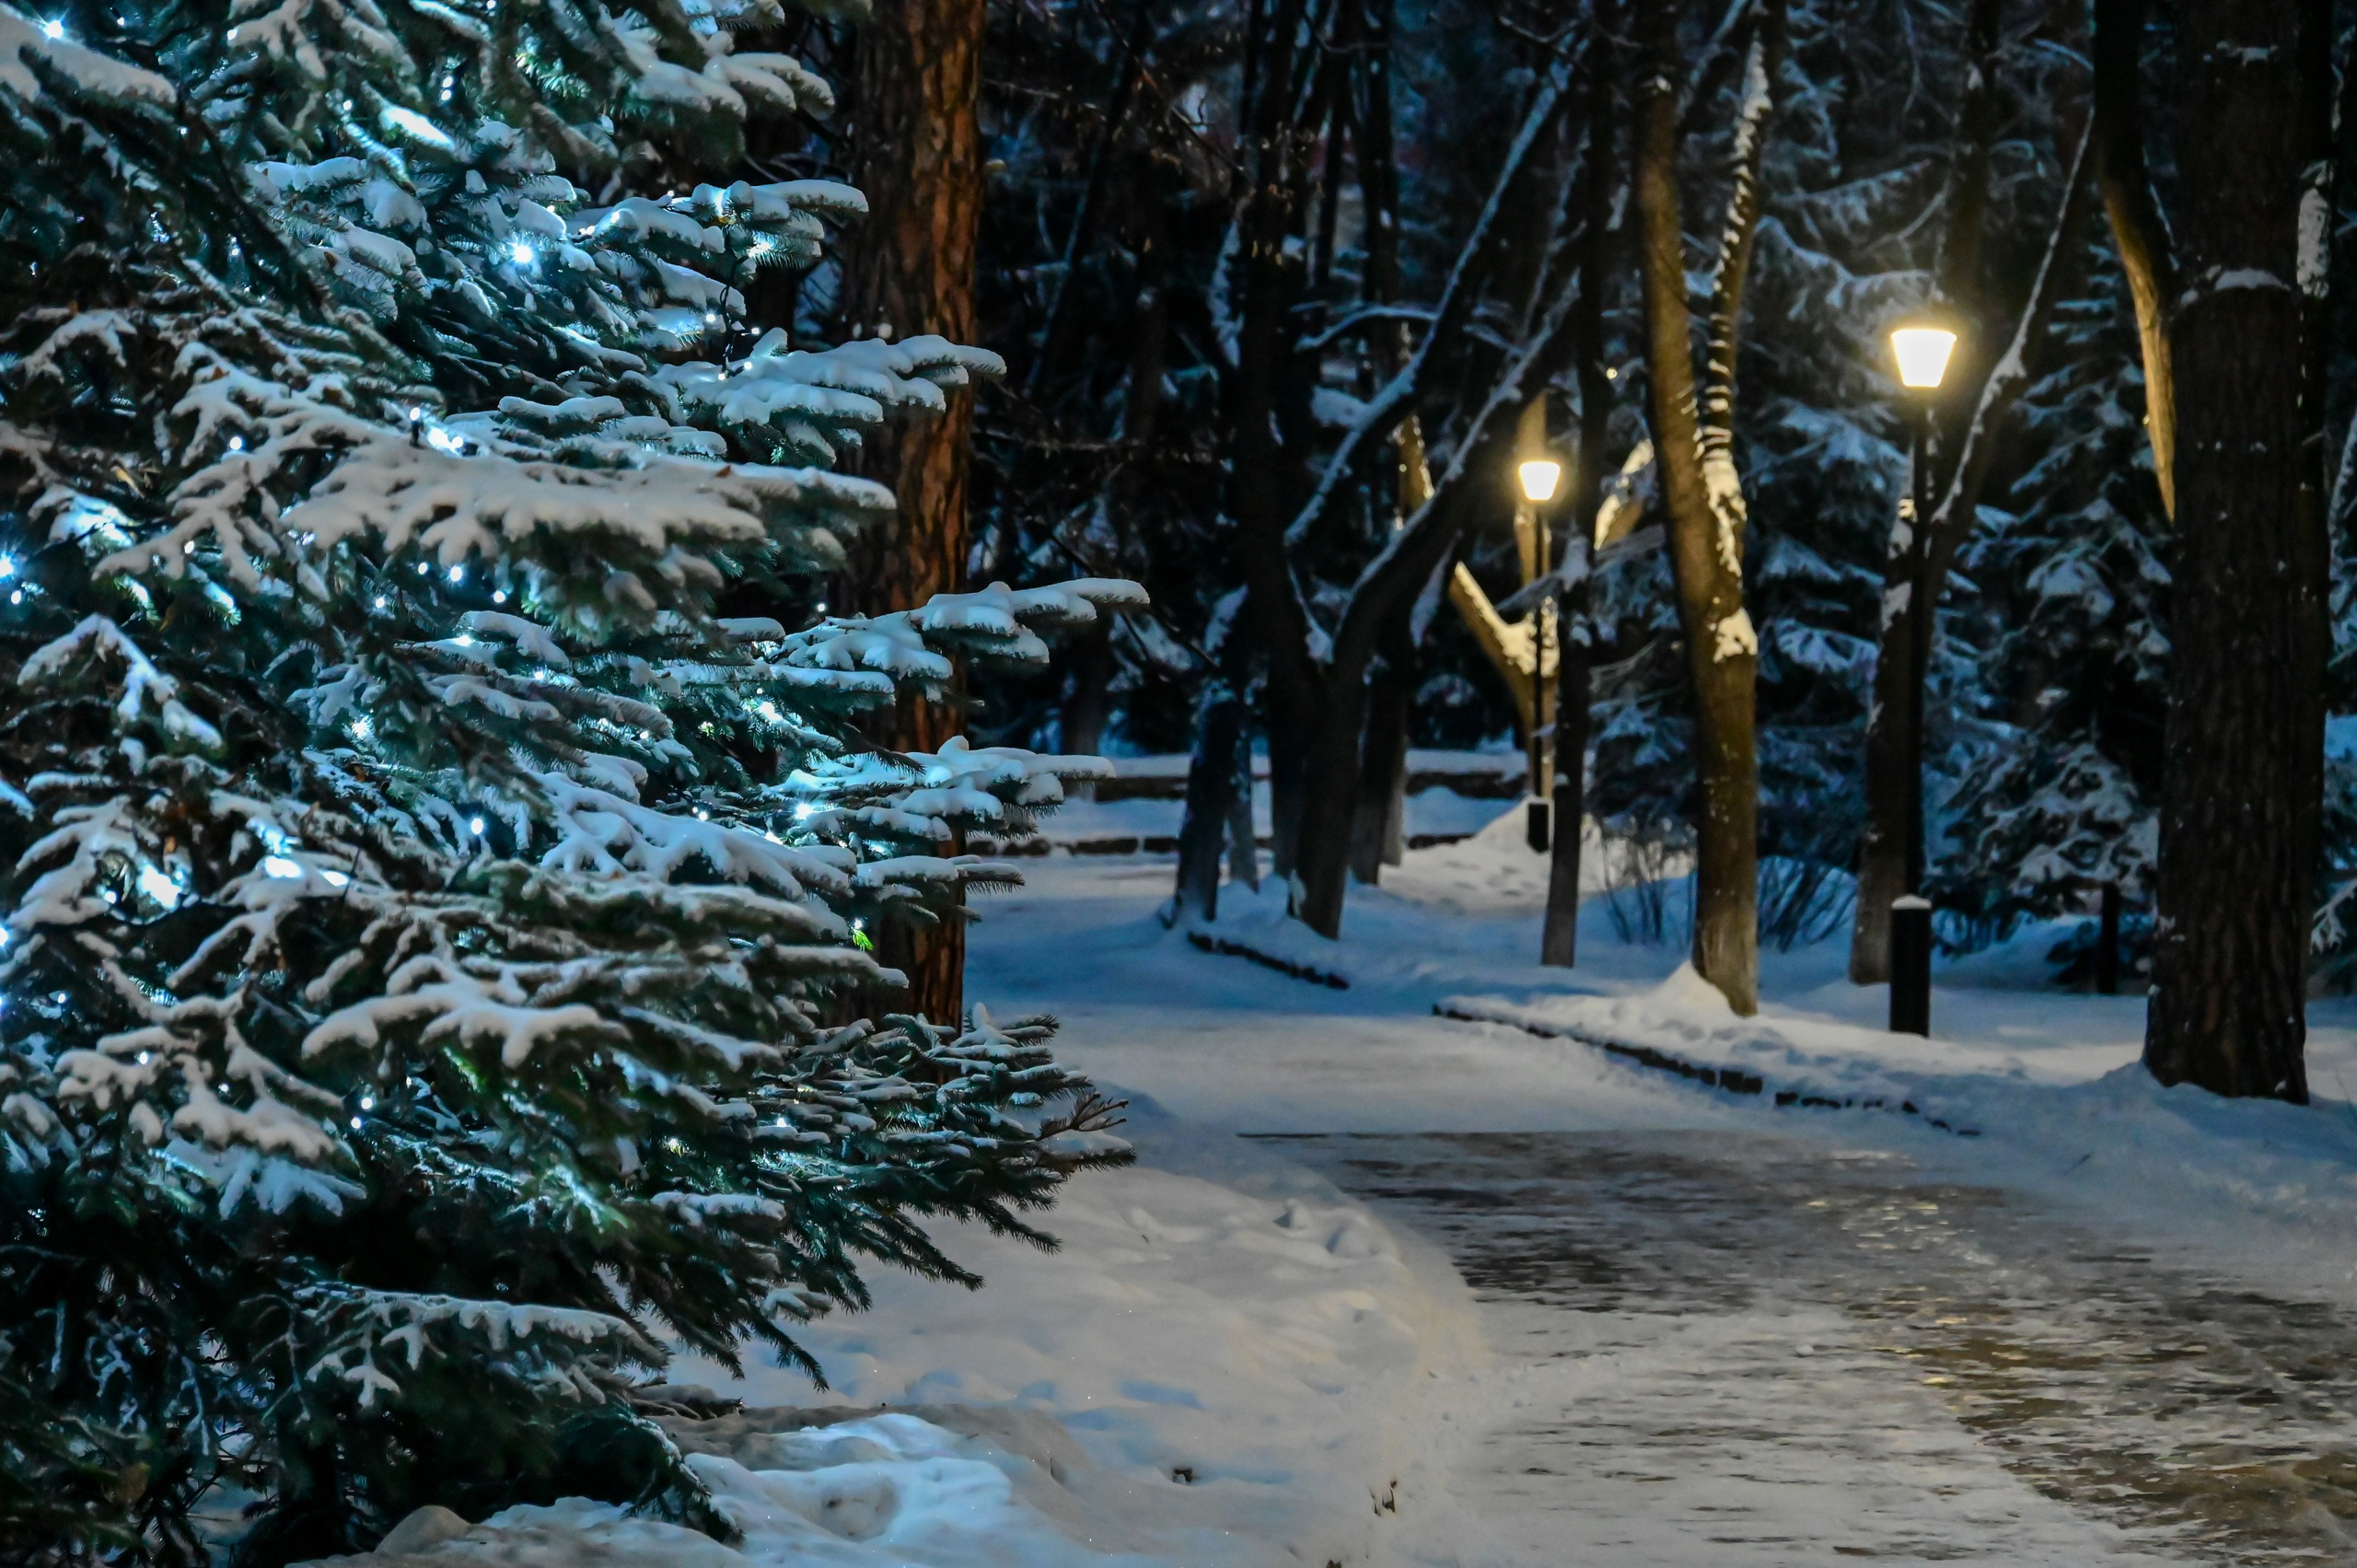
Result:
pixel 2236 877
pixel 917 154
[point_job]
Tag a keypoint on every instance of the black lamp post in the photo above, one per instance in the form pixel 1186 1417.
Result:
pixel 1539 476
pixel 1921 346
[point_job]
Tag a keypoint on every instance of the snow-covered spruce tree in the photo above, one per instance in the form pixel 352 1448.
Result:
pixel 429 923
pixel 2058 768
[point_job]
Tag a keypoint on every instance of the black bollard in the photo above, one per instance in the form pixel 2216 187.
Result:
pixel 1910 965
pixel 2108 943
pixel 1535 825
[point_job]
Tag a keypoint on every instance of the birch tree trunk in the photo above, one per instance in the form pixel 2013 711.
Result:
pixel 917 154
pixel 1702 495
pixel 2236 879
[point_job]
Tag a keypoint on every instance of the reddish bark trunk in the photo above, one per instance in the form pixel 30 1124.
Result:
pixel 917 154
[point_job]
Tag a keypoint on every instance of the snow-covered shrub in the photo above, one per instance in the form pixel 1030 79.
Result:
pixel 430 924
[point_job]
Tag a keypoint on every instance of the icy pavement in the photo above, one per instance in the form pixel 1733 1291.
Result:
pixel 1755 1349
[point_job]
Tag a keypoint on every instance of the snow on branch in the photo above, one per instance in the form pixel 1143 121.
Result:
pixel 370 1326
pixel 102 76
pixel 599 833
pixel 491 506
pixel 97 648
pixel 819 401
pixel 457 1004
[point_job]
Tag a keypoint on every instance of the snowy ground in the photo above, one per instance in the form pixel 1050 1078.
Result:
pixel 1484 1292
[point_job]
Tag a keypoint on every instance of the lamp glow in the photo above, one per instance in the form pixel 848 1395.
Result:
pixel 1539 477
pixel 1923 354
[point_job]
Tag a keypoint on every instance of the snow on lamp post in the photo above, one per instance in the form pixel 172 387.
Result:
pixel 1921 346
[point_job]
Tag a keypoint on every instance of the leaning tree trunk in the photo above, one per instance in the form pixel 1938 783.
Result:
pixel 911 269
pixel 2236 884
pixel 2138 230
pixel 1702 495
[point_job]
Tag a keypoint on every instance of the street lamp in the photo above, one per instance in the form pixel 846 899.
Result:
pixel 1540 475
pixel 1921 346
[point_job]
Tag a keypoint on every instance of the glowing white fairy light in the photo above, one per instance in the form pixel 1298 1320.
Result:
pixel 160 886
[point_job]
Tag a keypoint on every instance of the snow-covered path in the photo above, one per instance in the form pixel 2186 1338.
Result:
pixel 1747 1349
pixel 1727 1335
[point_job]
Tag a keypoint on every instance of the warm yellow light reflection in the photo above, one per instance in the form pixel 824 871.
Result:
pixel 1923 355
pixel 1539 477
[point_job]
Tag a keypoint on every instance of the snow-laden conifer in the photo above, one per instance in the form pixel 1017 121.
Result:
pixel 432 925
pixel 2058 762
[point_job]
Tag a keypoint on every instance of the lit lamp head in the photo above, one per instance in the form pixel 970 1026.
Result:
pixel 1539 477
pixel 1922 345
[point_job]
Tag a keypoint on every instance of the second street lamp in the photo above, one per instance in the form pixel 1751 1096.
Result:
pixel 1922 347
pixel 1539 476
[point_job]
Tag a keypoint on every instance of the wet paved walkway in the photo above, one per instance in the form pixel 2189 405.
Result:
pixel 1739 1348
